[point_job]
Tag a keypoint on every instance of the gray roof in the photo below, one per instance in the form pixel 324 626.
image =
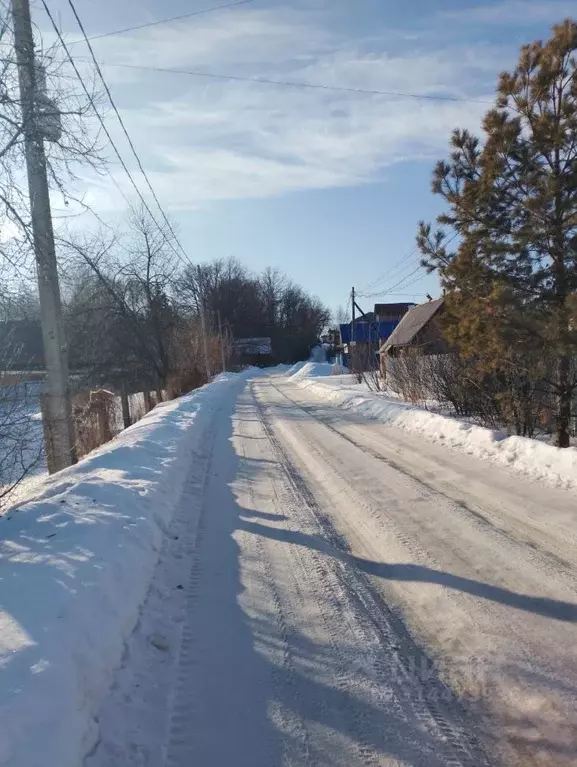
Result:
pixel 412 323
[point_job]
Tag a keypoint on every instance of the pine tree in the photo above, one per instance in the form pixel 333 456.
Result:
pixel 512 199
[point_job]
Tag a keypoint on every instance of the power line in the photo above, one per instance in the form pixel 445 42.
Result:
pixel 403 282
pixel 407 285
pixel 407 295
pixel 162 21
pixel 121 121
pixel 106 131
pixel 293 83
pixel 399 283
pixel 389 272
pixel 393 269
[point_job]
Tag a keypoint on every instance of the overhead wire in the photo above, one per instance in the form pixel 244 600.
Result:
pixel 168 20
pixel 392 274
pixel 390 270
pixel 399 283
pixel 114 147
pixel 402 282
pixel 123 126
pixel 292 83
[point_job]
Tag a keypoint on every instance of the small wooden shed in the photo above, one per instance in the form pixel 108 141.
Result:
pixel 418 329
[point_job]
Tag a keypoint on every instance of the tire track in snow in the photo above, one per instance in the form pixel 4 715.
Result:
pixel 332 597
pixel 555 563
pixel 177 751
pixel 445 723
pixel 299 750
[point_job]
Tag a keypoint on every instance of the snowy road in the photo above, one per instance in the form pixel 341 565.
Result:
pixel 357 597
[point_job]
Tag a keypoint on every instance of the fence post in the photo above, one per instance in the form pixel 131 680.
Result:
pixel 103 425
pixel 147 401
pixel 124 401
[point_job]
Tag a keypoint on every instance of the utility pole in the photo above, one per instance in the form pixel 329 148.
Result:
pixel 56 404
pixel 352 354
pixel 222 355
pixel 203 324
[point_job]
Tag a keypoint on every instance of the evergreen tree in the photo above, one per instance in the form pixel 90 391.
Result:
pixel 512 200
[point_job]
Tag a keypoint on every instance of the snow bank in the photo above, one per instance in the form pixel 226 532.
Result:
pixel 76 563
pixel 528 457
pixel 295 368
pixel 312 370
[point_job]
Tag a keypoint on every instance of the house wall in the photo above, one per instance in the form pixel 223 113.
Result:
pixel 430 339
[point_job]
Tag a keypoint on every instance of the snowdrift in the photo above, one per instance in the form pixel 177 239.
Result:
pixel 311 370
pixel 528 457
pixel 76 566
pixel 295 368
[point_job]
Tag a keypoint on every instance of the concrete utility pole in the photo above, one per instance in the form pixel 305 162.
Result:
pixel 56 405
pixel 223 359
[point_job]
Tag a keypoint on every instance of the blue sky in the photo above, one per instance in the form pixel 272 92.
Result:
pixel 327 185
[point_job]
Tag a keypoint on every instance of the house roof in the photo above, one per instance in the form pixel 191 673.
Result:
pixel 412 323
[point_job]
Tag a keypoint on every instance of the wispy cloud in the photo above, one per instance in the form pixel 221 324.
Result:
pixel 241 39
pixel 207 140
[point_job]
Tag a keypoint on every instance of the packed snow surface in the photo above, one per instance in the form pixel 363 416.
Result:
pixel 529 457
pixel 75 565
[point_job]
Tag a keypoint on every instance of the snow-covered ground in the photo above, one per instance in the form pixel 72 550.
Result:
pixel 311 370
pixel 530 458
pixel 75 567
pixel 257 574
pixel 278 652
pixel 356 595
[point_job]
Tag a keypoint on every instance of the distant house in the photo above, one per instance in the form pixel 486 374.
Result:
pixel 370 331
pixel 418 329
pixel 253 351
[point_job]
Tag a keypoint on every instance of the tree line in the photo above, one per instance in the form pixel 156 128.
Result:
pixel 133 309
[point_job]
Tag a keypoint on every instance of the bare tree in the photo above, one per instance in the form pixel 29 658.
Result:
pixel 120 291
pixel 63 114
pixel 342 316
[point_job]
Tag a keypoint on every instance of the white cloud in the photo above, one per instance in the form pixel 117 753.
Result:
pixel 241 39
pixel 254 146
pixel 206 140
